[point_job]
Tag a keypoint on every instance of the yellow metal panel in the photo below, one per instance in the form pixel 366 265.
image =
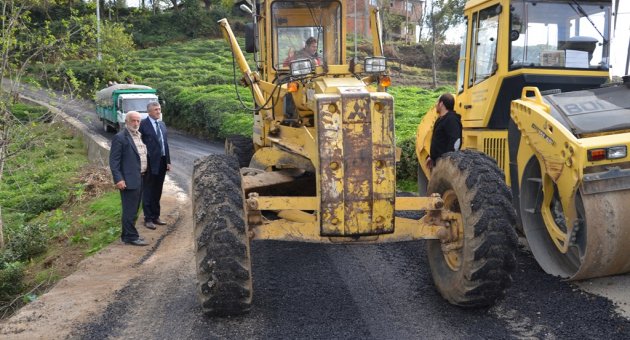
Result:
pixel 286 202
pixel 285 230
pixel 330 145
pixel 358 156
pixel 418 203
pixel 492 143
pixel 383 161
pixel 423 138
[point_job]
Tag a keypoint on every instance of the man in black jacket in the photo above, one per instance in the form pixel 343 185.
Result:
pixel 447 131
pixel 128 163
pixel 154 136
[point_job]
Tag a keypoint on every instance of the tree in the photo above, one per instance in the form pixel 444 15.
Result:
pixel 22 42
pixel 439 17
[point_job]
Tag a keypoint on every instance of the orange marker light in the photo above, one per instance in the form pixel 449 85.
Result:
pixel 385 81
pixel 292 86
pixel 596 154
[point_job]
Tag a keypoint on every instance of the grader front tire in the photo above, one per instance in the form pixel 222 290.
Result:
pixel 480 271
pixel 223 261
pixel 240 147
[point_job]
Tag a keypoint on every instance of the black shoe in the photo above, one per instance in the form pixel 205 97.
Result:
pixel 137 242
pixel 150 225
pixel 158 221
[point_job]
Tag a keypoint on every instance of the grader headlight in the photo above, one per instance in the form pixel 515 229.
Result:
pixel 301 67
pixel 375 64
pixel 617 152
pixel 613 152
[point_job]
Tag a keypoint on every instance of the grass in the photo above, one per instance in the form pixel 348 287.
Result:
pixel 56 208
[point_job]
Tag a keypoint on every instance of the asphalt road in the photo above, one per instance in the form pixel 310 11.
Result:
pixel 336 291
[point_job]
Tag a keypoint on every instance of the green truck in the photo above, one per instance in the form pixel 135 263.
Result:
pixel 113 103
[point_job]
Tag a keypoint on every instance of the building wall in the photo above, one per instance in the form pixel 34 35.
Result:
pixel 397 7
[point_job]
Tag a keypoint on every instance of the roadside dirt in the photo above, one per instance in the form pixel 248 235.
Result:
pixel 91 288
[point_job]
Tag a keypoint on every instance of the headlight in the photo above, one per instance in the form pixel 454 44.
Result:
pixel 375 64
pixel 616 152
pixel 301 67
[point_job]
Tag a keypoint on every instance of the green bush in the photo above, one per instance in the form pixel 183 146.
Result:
pixel 150 30
pixel 11 274
pixel 27 113
pixel 407 167
pixel 36 177
pixel 26 242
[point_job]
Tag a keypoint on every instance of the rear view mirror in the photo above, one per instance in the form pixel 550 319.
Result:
pixel 251 38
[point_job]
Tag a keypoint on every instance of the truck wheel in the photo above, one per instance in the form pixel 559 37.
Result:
pixel 240 147
pixel 223 261
pixel 479 272
pixel 107 127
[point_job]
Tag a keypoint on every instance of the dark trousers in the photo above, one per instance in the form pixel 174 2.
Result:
pixel 153 192
pixel 130 205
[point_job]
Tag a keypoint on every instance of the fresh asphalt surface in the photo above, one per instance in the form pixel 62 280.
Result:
pixel 337 291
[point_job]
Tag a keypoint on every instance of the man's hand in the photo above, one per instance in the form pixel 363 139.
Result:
pixel 168 167
pixel 429 163
pixel 121 185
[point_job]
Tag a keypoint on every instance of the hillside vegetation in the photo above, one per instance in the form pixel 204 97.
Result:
pixel 56 207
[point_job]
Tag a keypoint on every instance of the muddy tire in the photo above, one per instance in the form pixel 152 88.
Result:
pixel 223 261
pixel 240 147
pixel 480 272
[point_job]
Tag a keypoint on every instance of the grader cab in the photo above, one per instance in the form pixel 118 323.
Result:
pixel 530 94
pixel 320 167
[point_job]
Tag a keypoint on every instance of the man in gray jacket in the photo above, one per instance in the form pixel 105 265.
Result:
pixel 128 163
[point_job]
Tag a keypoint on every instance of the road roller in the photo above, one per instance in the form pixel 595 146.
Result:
pixel 535 94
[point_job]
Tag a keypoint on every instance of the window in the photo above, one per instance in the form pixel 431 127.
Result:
pixel 296 22
pixel 485 33
pixel 462 60
pixel 559 34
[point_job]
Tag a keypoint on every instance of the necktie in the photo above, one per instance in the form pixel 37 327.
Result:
pixel 158 131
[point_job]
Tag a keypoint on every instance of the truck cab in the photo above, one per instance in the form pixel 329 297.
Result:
pixel 113 103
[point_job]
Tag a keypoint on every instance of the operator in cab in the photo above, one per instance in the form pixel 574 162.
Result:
pixel 309 51
pixel 447 131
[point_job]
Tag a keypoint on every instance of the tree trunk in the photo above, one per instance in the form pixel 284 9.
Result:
pixel 174 2
pixel 1 230
pixel 433 62
pixel 433 48
pixel 3 137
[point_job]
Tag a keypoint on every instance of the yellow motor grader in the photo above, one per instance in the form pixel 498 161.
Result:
pixel 320 167
pixel 533 94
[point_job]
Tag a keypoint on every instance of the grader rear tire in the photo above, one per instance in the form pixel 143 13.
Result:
pixel 223 261
pixel 240 147
pixel 480 272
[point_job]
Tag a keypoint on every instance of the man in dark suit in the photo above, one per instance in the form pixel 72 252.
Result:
pixel 154 137
pixel 128 163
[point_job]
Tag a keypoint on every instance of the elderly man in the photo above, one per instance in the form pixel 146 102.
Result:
pixel 128 163
pixel 154 137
